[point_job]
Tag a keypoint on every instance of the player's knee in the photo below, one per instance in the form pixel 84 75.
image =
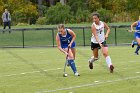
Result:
pixel 138 44
pixel 105 54
pixel 71 57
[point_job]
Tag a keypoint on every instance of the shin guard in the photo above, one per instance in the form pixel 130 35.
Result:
pixel 72 65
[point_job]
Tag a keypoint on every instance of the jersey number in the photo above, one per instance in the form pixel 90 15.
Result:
pixel 68 41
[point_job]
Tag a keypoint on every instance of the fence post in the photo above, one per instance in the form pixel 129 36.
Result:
pixel 84 36
pixel 53 36
pixel 115 37
pixel 23 38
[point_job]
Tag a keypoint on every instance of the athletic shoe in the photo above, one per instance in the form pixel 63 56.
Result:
pixel 90 65
pixel 136 53
pixel 111 68
pixel 76 74
pixel 132 44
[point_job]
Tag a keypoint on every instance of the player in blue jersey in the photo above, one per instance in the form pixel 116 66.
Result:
pixel 66 38
pixel 136 35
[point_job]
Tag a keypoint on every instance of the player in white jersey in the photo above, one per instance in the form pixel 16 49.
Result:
pixel 98 41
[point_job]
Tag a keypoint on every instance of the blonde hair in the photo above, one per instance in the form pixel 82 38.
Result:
pixel 139 17
pixel 61 26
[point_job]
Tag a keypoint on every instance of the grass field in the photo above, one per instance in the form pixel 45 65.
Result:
pixel 40 70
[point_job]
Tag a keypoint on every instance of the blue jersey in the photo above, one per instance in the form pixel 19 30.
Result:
pixel 65 40
pixel 137 34
pixel 138 25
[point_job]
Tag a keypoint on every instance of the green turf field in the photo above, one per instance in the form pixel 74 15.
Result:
pixel 40 70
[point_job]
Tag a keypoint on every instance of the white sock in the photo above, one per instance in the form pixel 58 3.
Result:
pixel 108 61
pixel 92 59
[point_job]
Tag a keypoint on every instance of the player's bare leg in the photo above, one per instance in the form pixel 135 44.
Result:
pixel 108 59
pixel 93 58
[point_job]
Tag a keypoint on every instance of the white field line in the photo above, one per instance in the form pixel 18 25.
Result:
pixel 91 84
pixel 23 73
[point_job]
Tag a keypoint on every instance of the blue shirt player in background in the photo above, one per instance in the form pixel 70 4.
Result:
pixel 136 35
pixel 66 38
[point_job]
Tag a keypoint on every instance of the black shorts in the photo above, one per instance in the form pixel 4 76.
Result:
pixel 96 45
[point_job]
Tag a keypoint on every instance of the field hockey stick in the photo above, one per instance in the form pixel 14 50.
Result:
pixel 66 62
pixel 104 44
pixel 133 30
pixel 99 53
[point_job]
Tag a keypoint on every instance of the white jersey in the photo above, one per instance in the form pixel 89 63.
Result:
pixel 99 32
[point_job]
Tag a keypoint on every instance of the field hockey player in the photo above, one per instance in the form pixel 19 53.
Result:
pixel 98 41
pixel 64 39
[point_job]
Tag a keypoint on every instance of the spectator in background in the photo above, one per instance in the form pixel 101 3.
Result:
pixel 6 17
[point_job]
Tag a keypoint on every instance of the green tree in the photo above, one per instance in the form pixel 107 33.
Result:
pixel 1 9
pixel 133 7
pixel 94 5
pixel 29 11
pixel 82 15
pixel 1 6
pixel 76 5
pixel 22 10
pixel 105 14
pixel 58 14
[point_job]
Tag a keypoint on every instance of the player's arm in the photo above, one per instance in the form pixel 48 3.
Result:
pixel 107 30
pixel 59 45
pixel 73 36
pixel 93 29
pixel 133 25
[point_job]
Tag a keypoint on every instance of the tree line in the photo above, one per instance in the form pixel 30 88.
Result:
pixel 69 11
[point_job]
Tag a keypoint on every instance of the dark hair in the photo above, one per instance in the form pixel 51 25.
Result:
pixel 96 14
